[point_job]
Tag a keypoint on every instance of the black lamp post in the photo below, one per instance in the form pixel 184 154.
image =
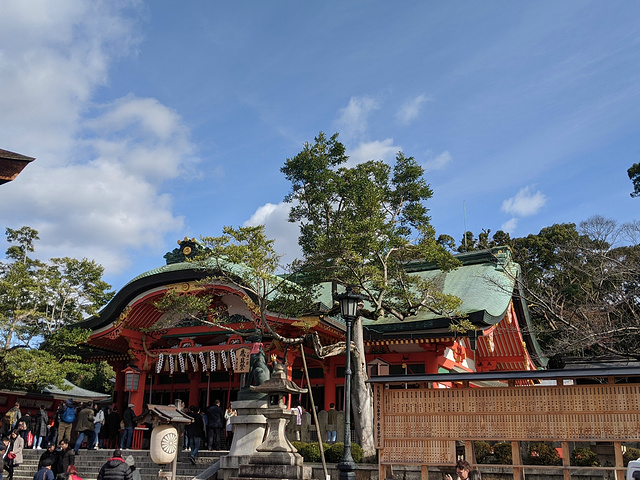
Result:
pixel 349 310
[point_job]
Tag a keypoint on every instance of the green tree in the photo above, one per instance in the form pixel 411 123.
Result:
pixel 243 257
pixel 38 299
pixel 359 226
pixel 581 285
pixel 634 176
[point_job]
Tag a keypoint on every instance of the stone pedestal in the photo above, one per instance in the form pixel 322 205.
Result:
pixel 249 427
pixel 276 458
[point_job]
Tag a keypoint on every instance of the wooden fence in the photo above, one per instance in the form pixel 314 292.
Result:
pixel 415 424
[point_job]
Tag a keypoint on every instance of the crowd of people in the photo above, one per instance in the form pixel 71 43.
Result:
pixel 98 428
pixel 86 422
pixel 211 429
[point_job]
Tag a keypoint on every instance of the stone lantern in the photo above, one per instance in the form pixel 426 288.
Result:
pixel 164 436
pixel 276 457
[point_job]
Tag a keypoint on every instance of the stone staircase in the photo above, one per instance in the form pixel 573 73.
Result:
pixel 89 462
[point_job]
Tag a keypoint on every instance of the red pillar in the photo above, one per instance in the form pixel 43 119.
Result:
pixel 121 396
pixel 330 383
pixel 194 389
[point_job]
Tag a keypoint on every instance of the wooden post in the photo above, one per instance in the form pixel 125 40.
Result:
pixel 469 454
pixel 617 449
pixel 424 472
pixel 566 461
pixel 516 459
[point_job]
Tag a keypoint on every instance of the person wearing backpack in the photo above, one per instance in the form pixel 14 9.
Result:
pixel 67 416
pixel 45 472
pixel 11 418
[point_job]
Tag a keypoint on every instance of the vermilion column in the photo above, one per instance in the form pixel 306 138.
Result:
pixel 330 383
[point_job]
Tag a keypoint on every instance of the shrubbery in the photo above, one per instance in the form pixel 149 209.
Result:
pixel 335 452
pixel 310 452
pixel 332 453
pixel 584 457
pixel 543 454
pixel 502 451
pixel 482 451
pixel 630 454
pixel 298 445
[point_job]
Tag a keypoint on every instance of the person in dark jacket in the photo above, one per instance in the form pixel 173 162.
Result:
pixel 44 473
pixel 128 418
pixel 51 454
pixel 195 431
pixel 115 468
pixel 27 421
pixel 4 445
pixel 112 427
pixel 40 429
pixel 66 457
pixel 215 426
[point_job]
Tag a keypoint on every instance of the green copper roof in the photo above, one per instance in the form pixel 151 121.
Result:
pixel 485 283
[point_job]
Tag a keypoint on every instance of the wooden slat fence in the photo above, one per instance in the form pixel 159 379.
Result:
pixel 421 425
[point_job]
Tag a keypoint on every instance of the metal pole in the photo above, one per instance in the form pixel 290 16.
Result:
pixel 347 466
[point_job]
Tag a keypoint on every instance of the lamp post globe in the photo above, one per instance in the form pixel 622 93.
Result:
pixel 349 310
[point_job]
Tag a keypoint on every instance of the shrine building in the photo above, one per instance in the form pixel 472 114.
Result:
pixel 199 363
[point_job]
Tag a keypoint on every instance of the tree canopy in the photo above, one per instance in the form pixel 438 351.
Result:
pixel 39 303
pixel 360 225
pixel 581 285
pixel 243 257
pixel 634 176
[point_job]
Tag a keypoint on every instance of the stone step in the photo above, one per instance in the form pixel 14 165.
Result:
pixel 89 462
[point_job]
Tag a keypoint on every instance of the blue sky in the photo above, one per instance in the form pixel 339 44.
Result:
pixel 155 120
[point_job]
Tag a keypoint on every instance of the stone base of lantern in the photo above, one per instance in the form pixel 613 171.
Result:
pixel 248 432
pixel 276 458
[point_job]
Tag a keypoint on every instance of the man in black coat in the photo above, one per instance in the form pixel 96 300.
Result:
pixel 66 456
pixel 128 419
pixel 115 468
pixel 216 426
pixel 111 429
pixel 51 454
pixel 195 431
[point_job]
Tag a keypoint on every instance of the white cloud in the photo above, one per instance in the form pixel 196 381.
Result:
pixel 141 132
pixel 95 188
pixel 510 225
pixel 438 162
pixel 410 109
pixel 274 218
pixel 376 150
pixel 352 121
pixel 53 55
pixel 525 203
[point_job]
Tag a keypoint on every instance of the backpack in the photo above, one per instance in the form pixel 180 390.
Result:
pixel 69 415
pixel 9 417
